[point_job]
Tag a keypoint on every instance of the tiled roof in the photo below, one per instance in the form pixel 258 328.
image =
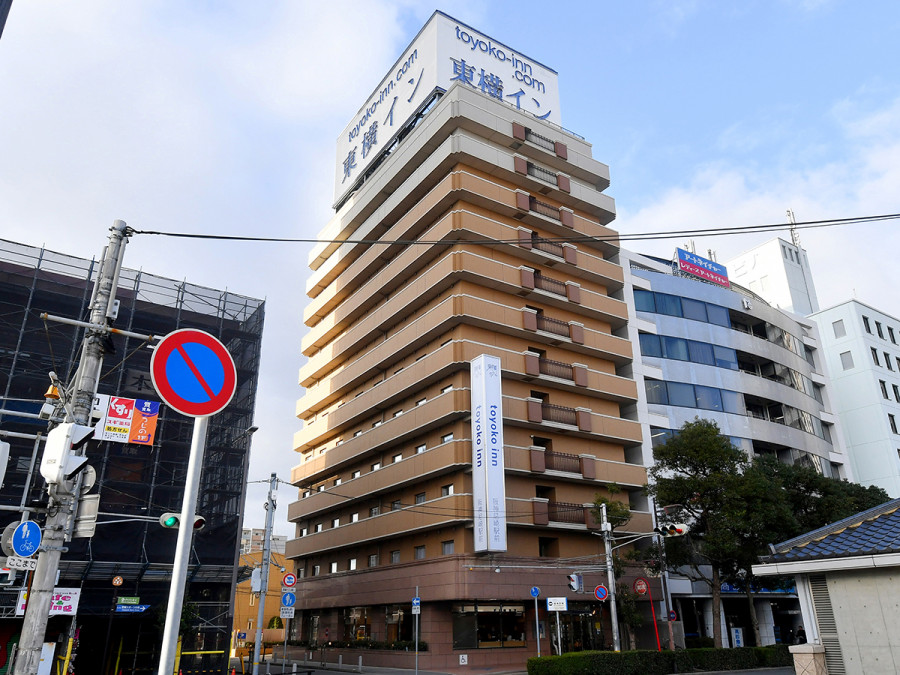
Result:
pixel 872 532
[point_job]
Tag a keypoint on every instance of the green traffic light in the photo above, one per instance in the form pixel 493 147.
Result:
pixel 171 521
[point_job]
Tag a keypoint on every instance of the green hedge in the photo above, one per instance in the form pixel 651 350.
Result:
pixel 660 663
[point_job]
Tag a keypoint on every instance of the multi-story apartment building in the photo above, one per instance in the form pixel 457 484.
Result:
pixel 253 539
pixel 863 357
pixel 718 351
pixel 481 229
pixel 130 554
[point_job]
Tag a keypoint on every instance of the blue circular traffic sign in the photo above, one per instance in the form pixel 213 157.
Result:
pixel 26 539
pixel 288 599
pixel 601 593
pixel 193 373
pixel 535 591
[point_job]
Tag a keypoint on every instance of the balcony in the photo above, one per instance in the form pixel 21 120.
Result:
pixel 561 461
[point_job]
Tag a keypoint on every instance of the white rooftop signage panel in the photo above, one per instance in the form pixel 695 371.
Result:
pixel 444 52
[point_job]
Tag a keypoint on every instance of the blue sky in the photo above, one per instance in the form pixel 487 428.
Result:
pixel 221 117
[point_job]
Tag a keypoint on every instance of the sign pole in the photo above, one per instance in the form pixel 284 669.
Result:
pixel 183 548
pixel 417 634
pixel 537 627
pixel 558 636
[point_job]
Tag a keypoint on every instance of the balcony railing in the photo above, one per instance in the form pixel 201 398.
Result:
pixel 559 414
pixel 550 247
pixel 542 141
pixel 550 285
pixel 560 461
pixel 556 369
pixel 555 326
pixel 563 512
pixel 542 173
pixel 543 208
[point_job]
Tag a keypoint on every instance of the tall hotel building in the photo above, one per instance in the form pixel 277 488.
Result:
pixel 469 262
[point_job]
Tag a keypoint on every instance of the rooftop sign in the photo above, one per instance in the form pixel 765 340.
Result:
pixel 696 266
pixel 443 53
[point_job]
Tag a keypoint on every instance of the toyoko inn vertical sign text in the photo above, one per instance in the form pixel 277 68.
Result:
pixel 488 471
pixel 445 52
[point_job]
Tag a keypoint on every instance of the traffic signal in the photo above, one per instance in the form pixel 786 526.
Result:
pixel 7 576
pixel 59 462
pixel 671 529
pixel 574 582
pixel 172 521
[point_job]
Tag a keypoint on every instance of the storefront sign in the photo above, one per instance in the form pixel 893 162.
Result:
pixel 125 420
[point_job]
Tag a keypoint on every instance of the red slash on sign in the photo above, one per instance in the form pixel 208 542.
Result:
pixel 193 373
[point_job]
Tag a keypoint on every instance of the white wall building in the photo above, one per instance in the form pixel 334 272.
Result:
pixel 860 344
pixel 779 272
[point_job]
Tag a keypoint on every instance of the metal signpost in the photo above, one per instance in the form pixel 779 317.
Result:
pixel 535 592
pixel 642 587
pixel 195 375
pixel 558 605
pixel 416 610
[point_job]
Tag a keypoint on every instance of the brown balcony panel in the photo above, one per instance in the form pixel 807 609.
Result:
pixel 564 512
pixel 556 369
pixel 560 461
pixel 541 512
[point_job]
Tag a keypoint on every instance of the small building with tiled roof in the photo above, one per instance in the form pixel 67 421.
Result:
pixel 848 582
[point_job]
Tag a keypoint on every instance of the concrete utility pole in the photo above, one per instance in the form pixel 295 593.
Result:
pixel 264 572
pixel 63 496
pixel 606 528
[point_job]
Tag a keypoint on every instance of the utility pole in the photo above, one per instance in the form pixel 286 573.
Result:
pixel 606 528
pixel 264 572
pixel 63 495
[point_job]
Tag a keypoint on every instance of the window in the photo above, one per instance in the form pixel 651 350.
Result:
pixel 896 393
pixel 420 498
pixel 447 490
pixel 884 391
pixel 893 422
pixel 356 433
pixel 398 457
pixel 351 564
pixel 355 474
pixel 374 511
pixel 719 315
pixel 376 424
pixel 656 392
pixel 668 304
pixel 420 448
pixel 838 328
pixel 887 361
pixel 395 556
pixel 321 488
pixel 875 355
pixel 373 560
pixel 447 388
pixel 447 547
pixel 396 505
pixel 446 438
pixel 335 522
pixel 337 481
pixel 891 335
pixel 318 527
pixel 398 413
pixel 694 309
pixel 376 466
pixel 866 324
pixel 315 571
pixel 650 344
pixel 681 394
pixel 419 553
pixel 675 348
pixel 306 493
pixel 878 330
pixel 643 301
pixel 333 568
pixel 846 360
pixel 421 401
pixel 354 517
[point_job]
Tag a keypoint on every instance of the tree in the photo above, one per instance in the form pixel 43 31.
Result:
pixel 699 472
pixel 275 622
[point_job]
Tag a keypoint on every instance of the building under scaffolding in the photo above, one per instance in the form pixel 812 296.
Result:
pixel 133 481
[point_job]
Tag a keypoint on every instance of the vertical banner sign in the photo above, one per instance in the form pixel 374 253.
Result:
pixel 488 469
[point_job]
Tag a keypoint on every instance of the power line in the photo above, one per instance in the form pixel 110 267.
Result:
pixel 637 236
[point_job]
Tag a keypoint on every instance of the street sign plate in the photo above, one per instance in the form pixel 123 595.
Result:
pixel 17 563
pixel 288 599
pixel 129 600
pixel 241 636
pixel 193 373
pixel 416 602
pixel 641 586
pixel 26 539
pixel 535 591
pixel 557 604
pixel 289 580
pixel 601 592
pixel 287 612
pixel 288 589
pixel 131 609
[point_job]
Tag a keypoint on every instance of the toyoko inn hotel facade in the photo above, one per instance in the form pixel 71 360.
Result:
pixel 468 367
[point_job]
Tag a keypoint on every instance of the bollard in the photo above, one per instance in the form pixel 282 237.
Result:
pixel 359 667
pixel 294 668
pixel 340 661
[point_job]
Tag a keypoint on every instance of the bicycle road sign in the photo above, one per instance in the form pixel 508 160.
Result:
pixel 193 373
pixel 26 539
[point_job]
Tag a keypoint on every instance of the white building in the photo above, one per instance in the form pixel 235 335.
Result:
pixel 252 540
pixel 779 272
pixel 863 358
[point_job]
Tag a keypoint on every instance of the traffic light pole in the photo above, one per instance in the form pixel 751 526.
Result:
pixel 264 572
pixel 63 497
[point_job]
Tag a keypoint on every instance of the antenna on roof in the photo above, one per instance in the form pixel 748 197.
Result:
pixel 795 238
